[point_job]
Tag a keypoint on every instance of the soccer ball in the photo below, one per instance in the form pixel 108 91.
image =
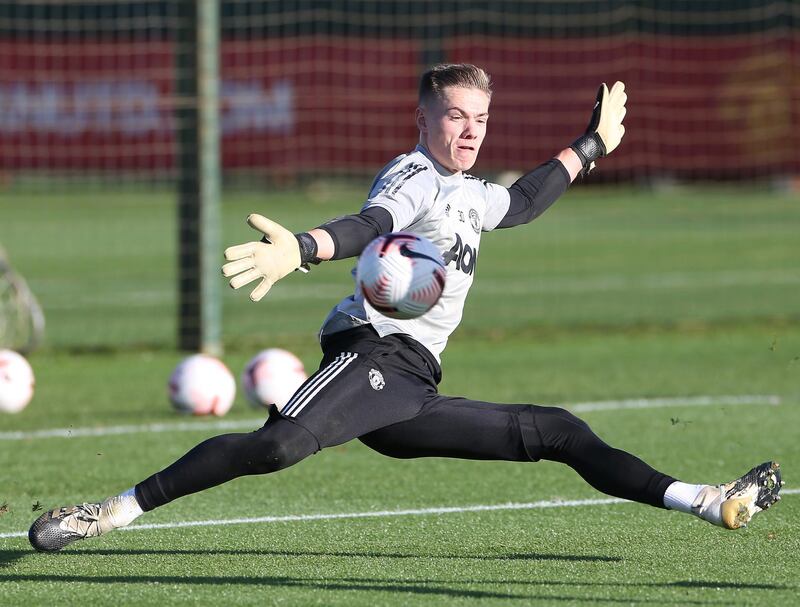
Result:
pixel 16 382
pixel 401 275
pixel 271 377
pixel 201 384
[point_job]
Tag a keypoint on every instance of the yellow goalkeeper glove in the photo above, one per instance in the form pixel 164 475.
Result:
pixel 605 128
pixel 269 260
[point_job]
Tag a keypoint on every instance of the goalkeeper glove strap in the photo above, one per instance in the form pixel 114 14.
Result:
pixel 308 248
pixel 588 147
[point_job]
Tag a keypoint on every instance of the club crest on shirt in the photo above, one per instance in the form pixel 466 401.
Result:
pixel 376 379
pixel 475 221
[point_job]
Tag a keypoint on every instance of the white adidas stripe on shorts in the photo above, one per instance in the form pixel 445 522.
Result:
pixel 304 395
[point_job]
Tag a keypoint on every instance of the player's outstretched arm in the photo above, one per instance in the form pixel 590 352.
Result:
pixel 605 129
pixel 533 193
pixel 279 252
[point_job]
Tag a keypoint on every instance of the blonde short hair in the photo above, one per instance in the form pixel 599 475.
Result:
pixel 444 75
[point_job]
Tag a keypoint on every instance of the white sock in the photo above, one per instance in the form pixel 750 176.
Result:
pixel 704 501
pixel 122 509
pixel 681 496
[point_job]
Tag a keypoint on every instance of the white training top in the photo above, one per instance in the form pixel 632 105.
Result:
pixel 448 209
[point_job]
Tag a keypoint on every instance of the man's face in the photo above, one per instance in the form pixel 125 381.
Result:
pixel 452 128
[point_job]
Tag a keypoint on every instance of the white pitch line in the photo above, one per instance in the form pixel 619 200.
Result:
pixel 293 518
pixel 252 424
pixel 682 401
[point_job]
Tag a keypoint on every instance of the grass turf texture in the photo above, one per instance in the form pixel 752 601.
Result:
pixel 612 295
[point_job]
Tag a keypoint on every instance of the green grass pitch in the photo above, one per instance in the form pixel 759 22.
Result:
pixel 615 294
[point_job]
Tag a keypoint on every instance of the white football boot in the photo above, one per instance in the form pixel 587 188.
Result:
pixel 57 528
pixel 733 504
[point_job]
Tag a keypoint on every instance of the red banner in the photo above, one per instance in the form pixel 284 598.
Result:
pixel 697 106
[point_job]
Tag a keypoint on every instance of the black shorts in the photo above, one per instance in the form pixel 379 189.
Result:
pixel 384 391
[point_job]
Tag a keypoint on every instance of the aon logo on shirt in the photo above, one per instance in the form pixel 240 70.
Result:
pixel 464 256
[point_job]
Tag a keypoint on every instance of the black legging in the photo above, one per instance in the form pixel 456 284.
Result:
pixel 468 430
pixel 275 446
pixel 562 437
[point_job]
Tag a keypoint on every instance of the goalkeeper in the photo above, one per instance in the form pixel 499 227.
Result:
pixel 378 380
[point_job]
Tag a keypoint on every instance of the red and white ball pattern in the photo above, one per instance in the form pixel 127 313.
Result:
pixel 202 385
pixel 402 275
pixel 16 382
pixel 271 377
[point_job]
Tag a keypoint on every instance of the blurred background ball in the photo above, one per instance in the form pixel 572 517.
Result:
pixel 16 382
pixel 271 377
pixel 401 274
pixel 202 385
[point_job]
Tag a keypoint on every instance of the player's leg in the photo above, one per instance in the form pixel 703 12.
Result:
pixel 275 446
pixel 363 383
pixel 453 427
pixel 462 428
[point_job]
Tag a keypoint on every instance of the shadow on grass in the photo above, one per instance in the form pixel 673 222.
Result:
pixel 443 588
pixel 8 557
pixel 449 588
pixel 367 554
